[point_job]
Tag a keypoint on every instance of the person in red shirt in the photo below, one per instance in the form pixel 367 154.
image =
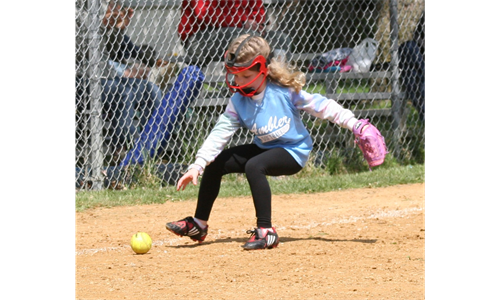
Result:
pixel 199 15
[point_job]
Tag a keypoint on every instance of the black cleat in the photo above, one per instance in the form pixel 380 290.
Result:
pixel 188 227
pixel 262 238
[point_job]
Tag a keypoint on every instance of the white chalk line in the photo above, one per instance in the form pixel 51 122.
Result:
pixel 171 242
pixel 352 219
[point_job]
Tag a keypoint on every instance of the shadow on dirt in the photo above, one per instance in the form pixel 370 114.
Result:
pixel 288 239
pixel 282 240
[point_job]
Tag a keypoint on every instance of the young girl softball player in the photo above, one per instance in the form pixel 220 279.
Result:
pixel 267 100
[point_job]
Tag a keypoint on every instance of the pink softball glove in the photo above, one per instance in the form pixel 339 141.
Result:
pixel 371 142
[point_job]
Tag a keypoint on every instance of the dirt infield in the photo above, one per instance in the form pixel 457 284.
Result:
pixel 352 244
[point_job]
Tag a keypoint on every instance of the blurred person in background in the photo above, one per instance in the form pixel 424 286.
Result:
pixel 412 66
pixel 123 50
pixel 201 15
pixel 207 27
pixel 124 90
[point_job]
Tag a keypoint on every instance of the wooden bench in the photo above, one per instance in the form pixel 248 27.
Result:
pixel 331 81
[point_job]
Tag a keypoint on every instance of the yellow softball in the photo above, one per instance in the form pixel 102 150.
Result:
pixel 141 242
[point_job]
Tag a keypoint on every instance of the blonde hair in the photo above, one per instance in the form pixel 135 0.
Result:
pixel 278 71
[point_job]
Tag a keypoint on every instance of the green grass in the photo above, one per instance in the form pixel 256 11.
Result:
pixel 309 180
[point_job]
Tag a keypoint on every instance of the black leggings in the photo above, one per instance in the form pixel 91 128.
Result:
pixel 256 163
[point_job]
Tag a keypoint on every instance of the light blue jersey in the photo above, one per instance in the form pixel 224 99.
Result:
pixel 274 119
pixel 275 122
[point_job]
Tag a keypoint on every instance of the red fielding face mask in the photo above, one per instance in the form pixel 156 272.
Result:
pixel 233 68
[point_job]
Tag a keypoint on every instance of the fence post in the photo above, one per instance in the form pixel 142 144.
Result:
pixel 96 123
pixel 398 106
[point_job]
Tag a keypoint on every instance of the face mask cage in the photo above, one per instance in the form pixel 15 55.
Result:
pixel 234 68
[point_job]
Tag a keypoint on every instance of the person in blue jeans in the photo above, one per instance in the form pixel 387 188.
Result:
pixel 123 92
pixel 132 64
pixel 121 98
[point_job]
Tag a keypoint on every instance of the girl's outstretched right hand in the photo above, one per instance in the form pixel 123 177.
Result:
pixel 191 175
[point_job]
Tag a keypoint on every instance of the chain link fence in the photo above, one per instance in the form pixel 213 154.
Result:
pixel 150 82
